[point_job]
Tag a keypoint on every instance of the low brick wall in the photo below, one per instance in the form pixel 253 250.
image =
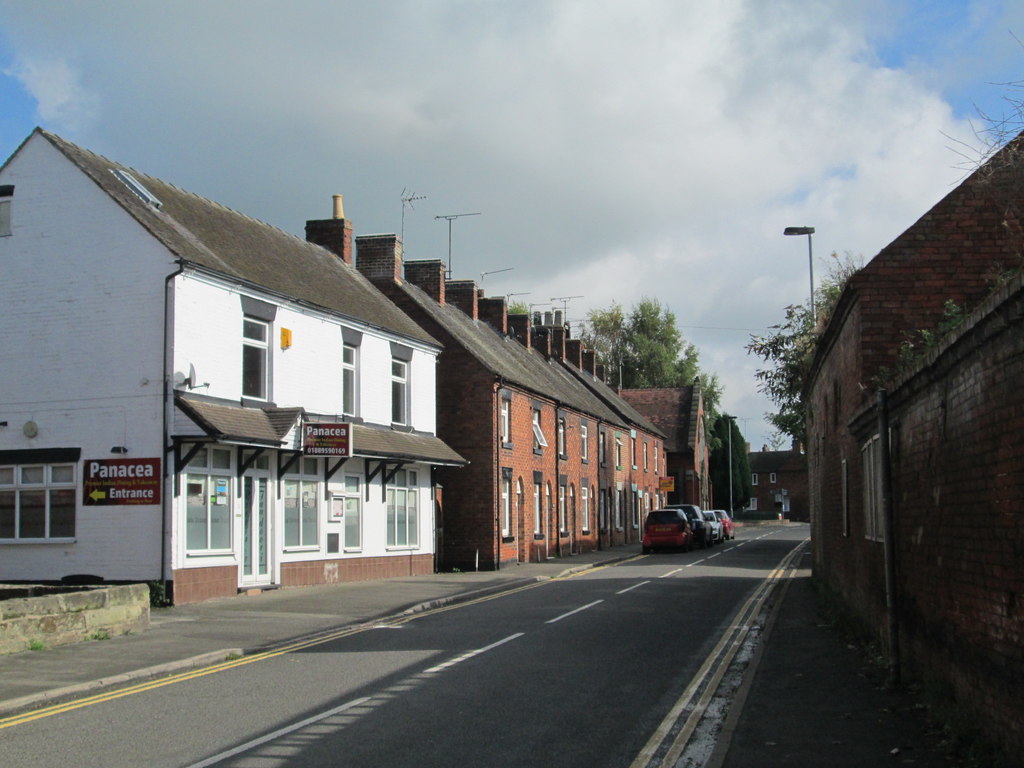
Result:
pixel 43 617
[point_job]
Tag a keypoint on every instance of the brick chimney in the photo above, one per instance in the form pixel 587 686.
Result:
pixel 599 372
pixel 590 362
pixel 462 294
pixel 334 234
pixel 574 352
pixel 428 275
pixel 379 257
pixel 494 311
pixel 520 327
pixel 558 334
pixel 542 339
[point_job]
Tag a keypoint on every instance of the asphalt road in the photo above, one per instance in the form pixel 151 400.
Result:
pixel 602 669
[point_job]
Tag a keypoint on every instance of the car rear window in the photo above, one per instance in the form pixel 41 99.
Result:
pixel 662 517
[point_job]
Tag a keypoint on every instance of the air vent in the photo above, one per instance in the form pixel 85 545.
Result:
pixel 136 186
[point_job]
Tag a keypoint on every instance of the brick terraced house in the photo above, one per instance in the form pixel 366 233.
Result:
pixel 558 462
pixel 679 413
pixel 192 397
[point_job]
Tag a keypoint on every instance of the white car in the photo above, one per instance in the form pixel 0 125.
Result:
pixel 715 525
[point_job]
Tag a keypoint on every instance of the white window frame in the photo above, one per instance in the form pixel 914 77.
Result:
pixel 561 509
pixel 506 421
pixel 55 482
pixel 584 441
pixel 537 511
pixel 561 436
pixel 403 510
pixel 539 443
pixel 399 392
pixel 753 478
pixel 874 529
pixel 353 500
pixel 214 467
pixel 585 507
pixel 773 478
pixel 262 347
pixel 302 489
pixel 506 503
pixel 350 380
pixel 6 206
pixel 646 458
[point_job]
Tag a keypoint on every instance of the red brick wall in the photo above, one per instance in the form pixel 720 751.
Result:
pixel 193 585
pixel 313 572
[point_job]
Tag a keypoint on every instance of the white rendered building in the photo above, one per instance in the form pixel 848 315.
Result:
pixel 192 397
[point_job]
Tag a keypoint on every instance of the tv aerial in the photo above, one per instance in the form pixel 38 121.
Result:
pixel 450 217
pixel 408 198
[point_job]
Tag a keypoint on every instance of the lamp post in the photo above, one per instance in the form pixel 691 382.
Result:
pixel 810 254
pixel 728 425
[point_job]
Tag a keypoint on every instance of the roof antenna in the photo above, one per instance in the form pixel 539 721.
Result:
pixel 451 217
pixel 408 198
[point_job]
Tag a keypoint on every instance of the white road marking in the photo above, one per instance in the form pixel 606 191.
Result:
pixel 570 613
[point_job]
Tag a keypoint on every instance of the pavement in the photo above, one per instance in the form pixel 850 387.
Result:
pixel 807 697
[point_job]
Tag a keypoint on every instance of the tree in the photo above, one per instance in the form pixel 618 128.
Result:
pixel 642 349
pixel 720 465
pixel 518 308
pixel 789 349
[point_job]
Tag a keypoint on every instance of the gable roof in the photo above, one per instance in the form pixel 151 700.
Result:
pixel 526 368
pixel 673 409
pixel 211 237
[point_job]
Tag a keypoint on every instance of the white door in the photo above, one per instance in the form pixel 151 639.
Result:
pixel 256 565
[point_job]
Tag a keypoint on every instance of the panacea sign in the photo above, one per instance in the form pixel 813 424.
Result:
pixel 323 439
pixel 121 481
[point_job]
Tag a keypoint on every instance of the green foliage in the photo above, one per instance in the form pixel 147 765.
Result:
pixel 158 594
pixel 518 308
pixel 719 460
pixel 645 348
pixel 36 645
pixel 921 342
pixel 788 350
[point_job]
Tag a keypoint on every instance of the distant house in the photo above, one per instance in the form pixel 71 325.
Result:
pixel 558 463
pixel 778 481
pixel 950 418
pixel 679 413
pixel 193 397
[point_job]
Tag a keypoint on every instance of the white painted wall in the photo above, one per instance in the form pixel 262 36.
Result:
pixel 81 291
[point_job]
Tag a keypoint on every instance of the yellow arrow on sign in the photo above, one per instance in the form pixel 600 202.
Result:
pixel 97 495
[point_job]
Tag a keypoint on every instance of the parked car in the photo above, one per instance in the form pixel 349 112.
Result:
pixel 667 528
pixel 728 526
pixel 715 526
pixel 698 524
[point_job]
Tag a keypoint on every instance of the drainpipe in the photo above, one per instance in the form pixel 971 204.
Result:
pixel 496 468
pixel 165 506
pixel 889 538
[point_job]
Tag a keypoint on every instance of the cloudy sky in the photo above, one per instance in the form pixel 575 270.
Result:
pixel 613 150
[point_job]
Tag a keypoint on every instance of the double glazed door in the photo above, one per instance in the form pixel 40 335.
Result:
pixel 256 532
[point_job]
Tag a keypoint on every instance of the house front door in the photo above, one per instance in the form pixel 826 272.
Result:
pixel 256 565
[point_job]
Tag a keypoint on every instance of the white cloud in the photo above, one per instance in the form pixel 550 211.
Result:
pixel 61 101
pixel 615 150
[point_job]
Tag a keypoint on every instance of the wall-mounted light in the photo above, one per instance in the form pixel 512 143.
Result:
pixel 119 449
pixel 286 338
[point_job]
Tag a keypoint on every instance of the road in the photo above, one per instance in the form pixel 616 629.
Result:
pixel 602 669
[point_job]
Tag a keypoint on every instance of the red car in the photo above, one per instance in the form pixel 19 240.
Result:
pixel 728 526
pixel 667 528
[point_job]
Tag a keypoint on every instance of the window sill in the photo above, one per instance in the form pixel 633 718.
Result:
pixel 301 548
pixel 39 541
pixel 506 539
pixel 352 550
pixel 402 548
pixel 538 537
pixel 508 446
pixel 210 553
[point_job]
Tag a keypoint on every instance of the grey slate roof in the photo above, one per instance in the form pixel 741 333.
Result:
pixel 527 368
pixel 270 426
pixel 209 236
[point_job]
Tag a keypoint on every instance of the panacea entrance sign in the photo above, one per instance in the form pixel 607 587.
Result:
pixel 323 439
pixel 121 481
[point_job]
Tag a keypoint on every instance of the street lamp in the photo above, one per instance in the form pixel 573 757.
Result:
pixel 732 509
pixel 810 254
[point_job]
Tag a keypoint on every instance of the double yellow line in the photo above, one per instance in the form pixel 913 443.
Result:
pixel 709 676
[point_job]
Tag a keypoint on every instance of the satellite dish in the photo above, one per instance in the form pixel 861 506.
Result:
pixel 191 380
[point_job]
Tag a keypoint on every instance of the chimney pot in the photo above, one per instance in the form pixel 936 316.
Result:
pixel 339 207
